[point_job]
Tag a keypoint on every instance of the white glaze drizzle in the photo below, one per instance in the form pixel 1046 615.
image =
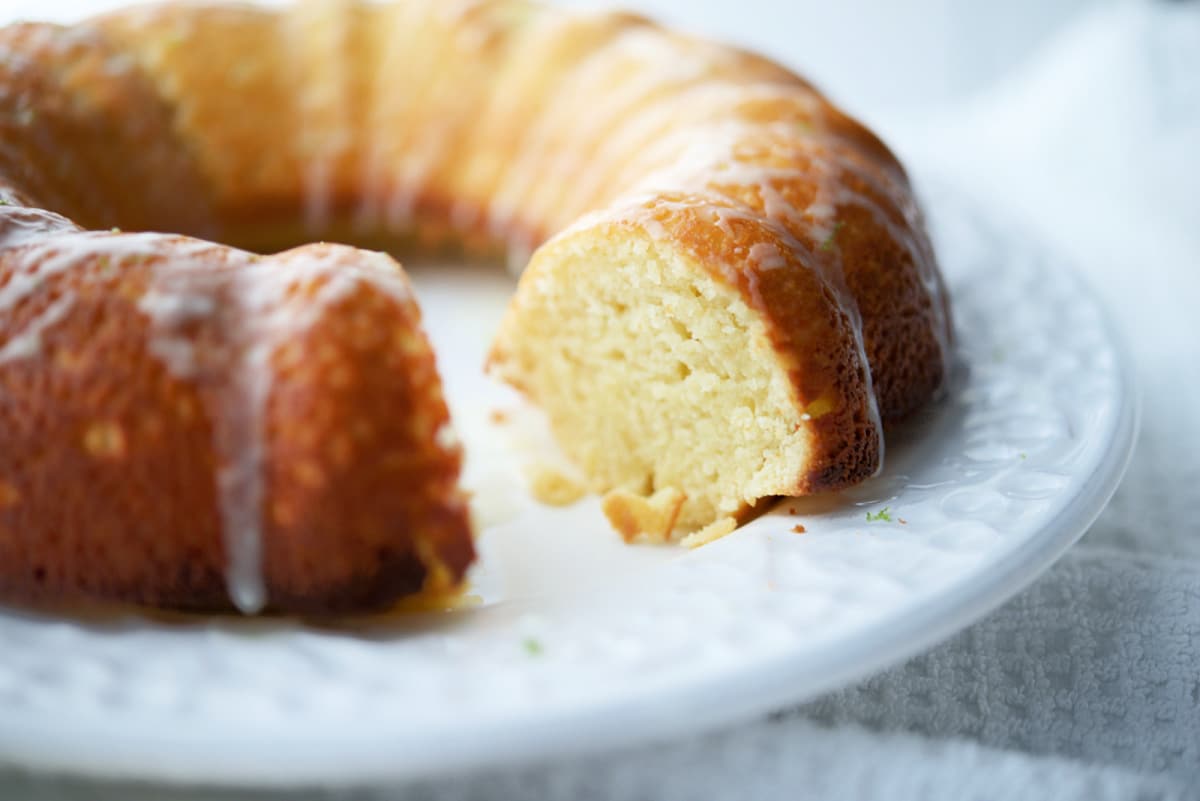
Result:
pixel 531 162
pixel 171 311
pixel 28 343
pixel 245 306
pixel 639 133
pixel 317 33
pixel 541 39
pixel 252 309
pixel 20 225
pixel 643 50
pixel 694 156
pixel 318 192
pixel 238 451
pixel 697 171
pixel 766 256
pixel 389 117
pixel 434 137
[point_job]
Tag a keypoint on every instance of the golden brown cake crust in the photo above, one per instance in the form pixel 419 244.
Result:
pixel 774 192
pixel 494 124
pixel 110 470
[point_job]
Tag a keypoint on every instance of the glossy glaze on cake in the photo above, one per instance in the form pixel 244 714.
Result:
pixel 191 425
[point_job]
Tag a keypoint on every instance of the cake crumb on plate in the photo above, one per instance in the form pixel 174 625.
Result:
pixel 710 533
pixel 553 487
pixel 638 517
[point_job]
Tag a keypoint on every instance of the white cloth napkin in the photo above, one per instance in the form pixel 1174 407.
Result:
pixel 1087 685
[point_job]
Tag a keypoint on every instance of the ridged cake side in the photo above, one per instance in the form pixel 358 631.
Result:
pixel 731 292
pixel 188 425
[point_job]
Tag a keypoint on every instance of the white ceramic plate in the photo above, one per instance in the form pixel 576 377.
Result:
pixel 580 642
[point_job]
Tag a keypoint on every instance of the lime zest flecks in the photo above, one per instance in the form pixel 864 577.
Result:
pixel 884 514
pixel 532 646
pixel 828 244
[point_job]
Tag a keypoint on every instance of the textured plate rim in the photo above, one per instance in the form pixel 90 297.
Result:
pixel 769 685
pixel 654 714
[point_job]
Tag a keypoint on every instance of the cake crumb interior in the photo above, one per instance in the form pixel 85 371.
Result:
pixel 654 375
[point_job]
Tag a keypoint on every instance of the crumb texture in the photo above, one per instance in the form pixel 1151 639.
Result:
pixel 553 487
pixel 678 389
pixel 640 518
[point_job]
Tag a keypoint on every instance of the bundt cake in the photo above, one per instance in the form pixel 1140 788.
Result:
pixel 730 291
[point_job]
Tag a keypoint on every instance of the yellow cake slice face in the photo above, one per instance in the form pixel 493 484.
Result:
pixel 655 373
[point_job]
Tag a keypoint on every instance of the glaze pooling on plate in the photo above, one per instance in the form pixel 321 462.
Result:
pixel 981 494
